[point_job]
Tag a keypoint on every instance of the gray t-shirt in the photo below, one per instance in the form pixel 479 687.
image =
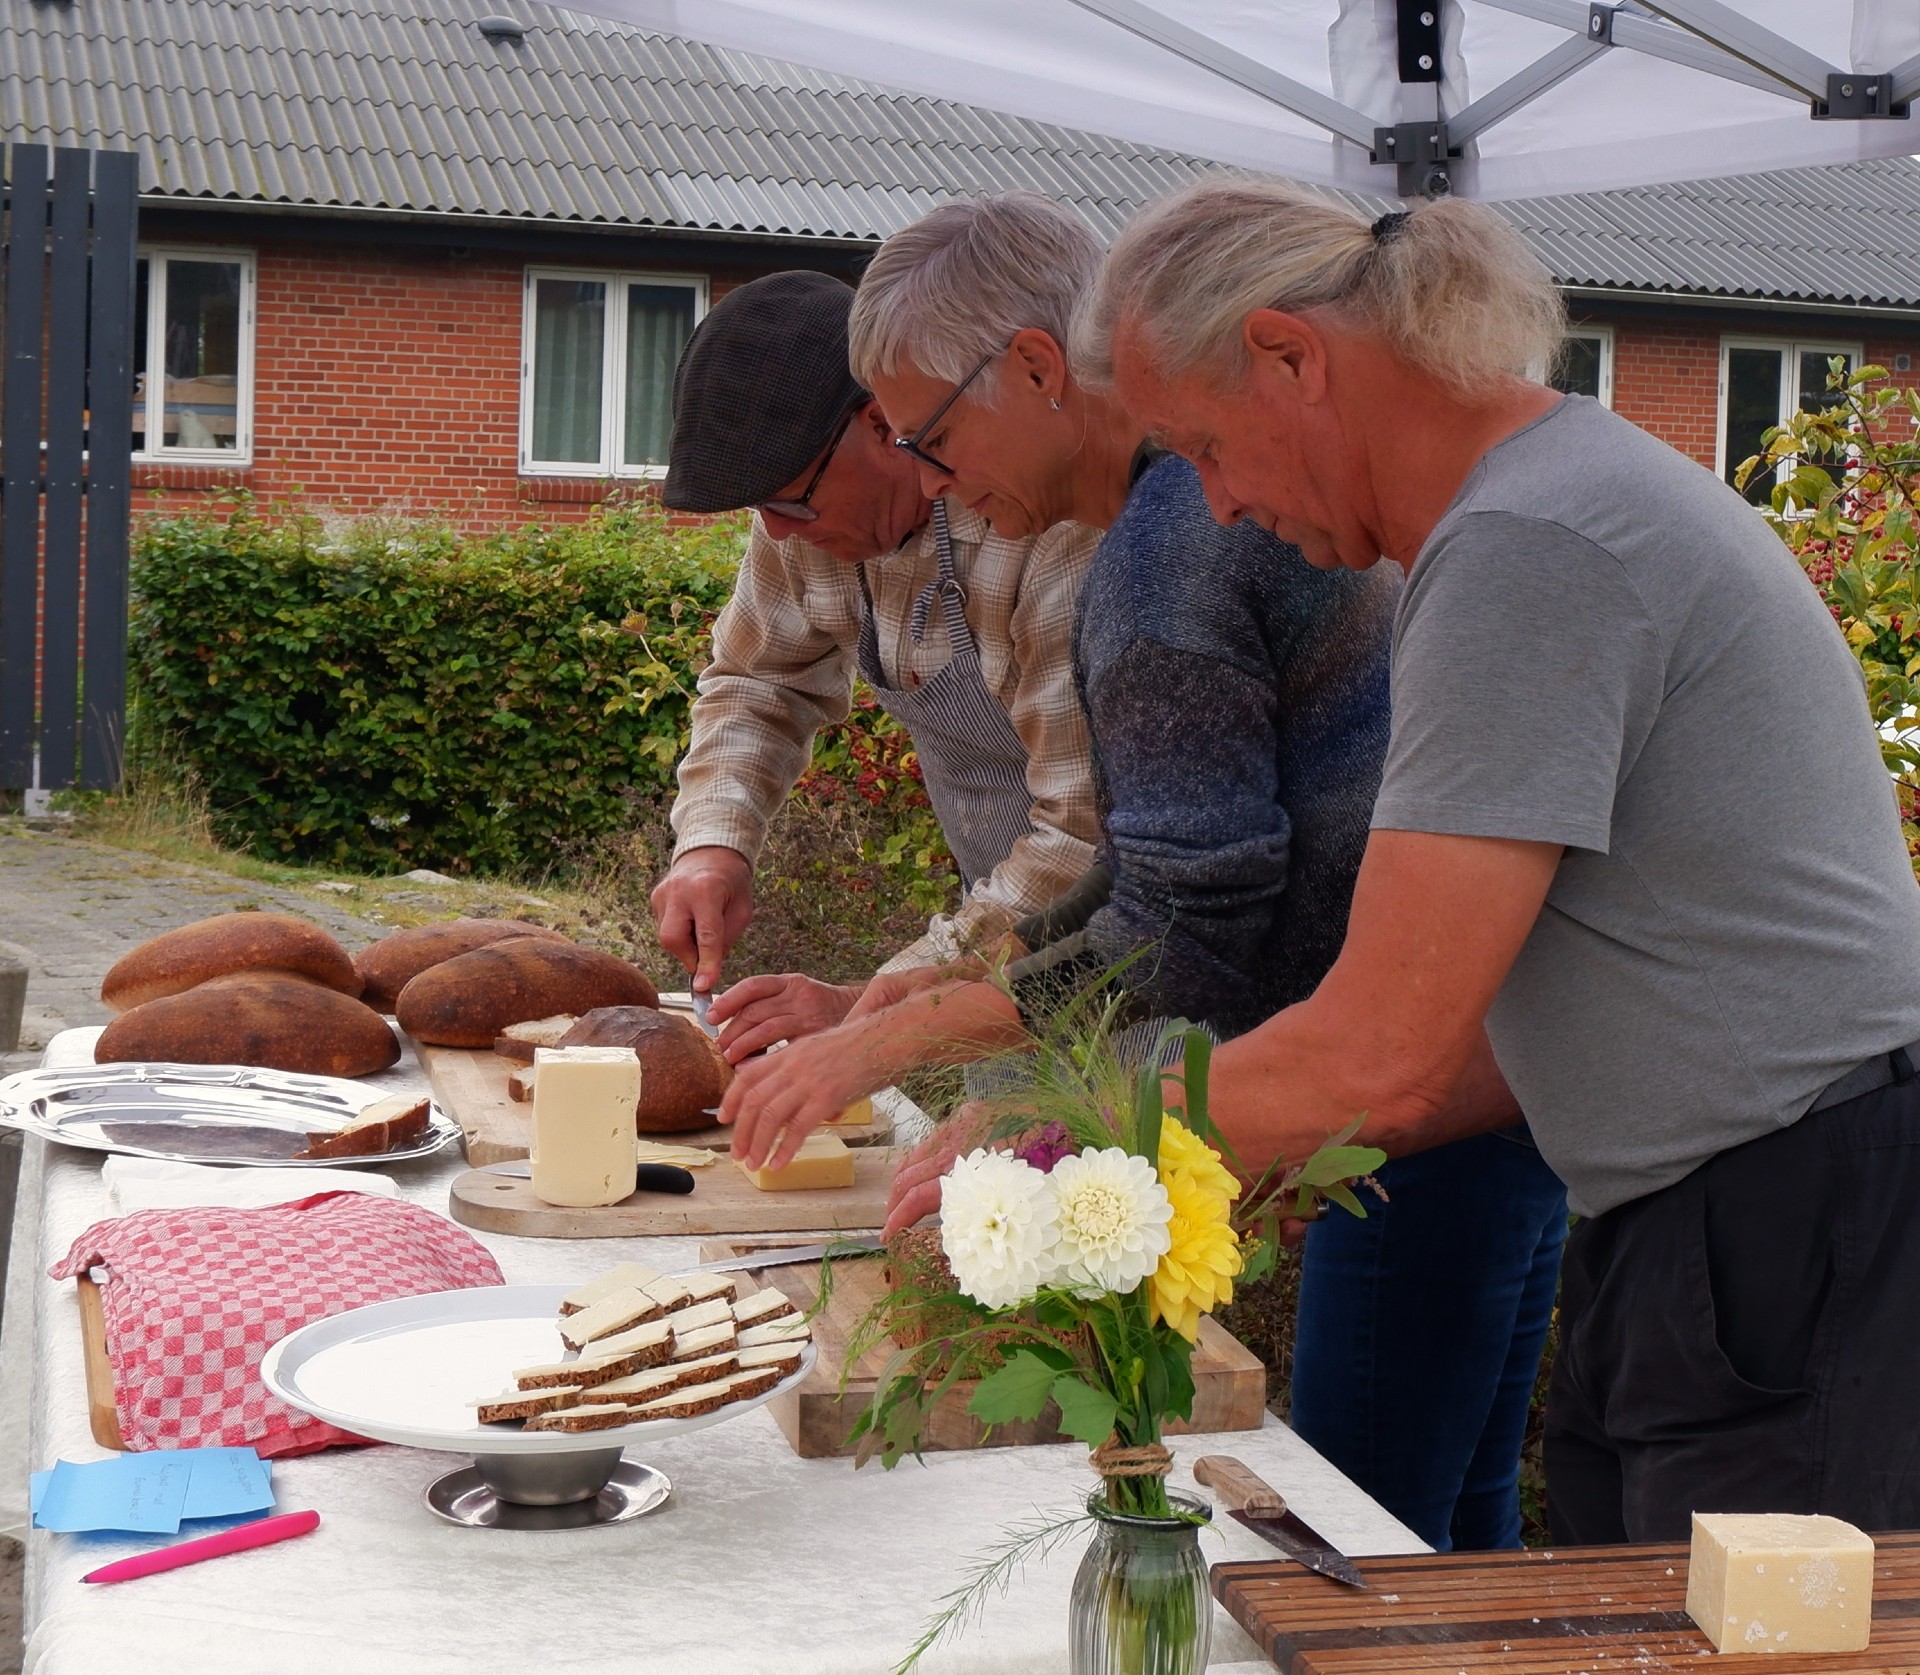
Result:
pixel 1602 646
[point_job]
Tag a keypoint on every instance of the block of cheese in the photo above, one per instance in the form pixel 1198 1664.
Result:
pixel 1780 1582
pixel 582 1150
pixel 857 1115
pixel 822 1161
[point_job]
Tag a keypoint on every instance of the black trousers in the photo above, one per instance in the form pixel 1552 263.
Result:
pixel 1748 1339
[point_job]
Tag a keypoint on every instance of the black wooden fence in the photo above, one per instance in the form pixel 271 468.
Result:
pixel 66 436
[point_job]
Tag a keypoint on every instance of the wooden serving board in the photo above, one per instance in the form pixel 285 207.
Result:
pixel 1570 1611
pixel 723 1200
pixel 1230 1383
pixel 103 1417
pixel 471 1087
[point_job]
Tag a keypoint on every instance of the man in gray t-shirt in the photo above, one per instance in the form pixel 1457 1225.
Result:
pixel 1648 680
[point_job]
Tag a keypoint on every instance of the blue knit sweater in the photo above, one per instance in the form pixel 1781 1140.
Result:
pixel 1238 702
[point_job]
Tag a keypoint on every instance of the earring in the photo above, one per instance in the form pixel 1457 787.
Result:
pixel 1056 405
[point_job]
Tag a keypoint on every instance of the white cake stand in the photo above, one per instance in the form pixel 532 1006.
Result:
pixel 410 1370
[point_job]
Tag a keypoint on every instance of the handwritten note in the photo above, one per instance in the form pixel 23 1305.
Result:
pixel 151 1494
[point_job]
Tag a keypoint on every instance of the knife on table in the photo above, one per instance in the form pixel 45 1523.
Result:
pixel 648 1177
pixel 1263 1509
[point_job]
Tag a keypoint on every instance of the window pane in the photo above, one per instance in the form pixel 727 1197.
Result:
pixel 1753 408
pixel 140 299
pixel 569 343
pixel 202 355
pixel 1814 396
pixel 659 322
pixel 1577 371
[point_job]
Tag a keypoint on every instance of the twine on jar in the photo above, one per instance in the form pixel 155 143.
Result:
pixel 1112 1461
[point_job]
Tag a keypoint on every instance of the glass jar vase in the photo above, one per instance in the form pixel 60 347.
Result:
pixel 1140 1600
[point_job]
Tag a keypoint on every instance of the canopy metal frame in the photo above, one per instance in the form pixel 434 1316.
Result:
pixel 1705 35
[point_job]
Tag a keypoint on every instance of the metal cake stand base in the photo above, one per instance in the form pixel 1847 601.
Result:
pixel 548 1491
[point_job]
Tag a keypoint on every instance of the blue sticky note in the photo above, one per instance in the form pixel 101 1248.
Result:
pixel 226 1481
pixel 36 1487
pixel 141 1493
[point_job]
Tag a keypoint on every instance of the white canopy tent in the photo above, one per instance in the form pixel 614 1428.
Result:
pixel 1491 98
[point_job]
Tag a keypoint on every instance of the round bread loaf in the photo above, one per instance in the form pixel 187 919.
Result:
pixel 254 1017
pixel 389 965
pixel 682 1074
pixel 468 1000
pixel 179 960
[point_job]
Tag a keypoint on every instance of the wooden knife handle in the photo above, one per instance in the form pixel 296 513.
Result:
pixel 1239 1487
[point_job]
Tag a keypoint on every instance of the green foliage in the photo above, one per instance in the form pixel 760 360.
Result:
pixel 1848 507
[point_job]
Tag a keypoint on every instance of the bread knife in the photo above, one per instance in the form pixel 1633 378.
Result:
pixel 787 1256
pixel 1263 1510
pixel 701 1002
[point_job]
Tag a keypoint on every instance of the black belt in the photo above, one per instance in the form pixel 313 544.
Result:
pixel 1869 1076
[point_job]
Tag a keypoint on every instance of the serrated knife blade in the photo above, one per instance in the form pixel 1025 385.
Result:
pixel 1262 1509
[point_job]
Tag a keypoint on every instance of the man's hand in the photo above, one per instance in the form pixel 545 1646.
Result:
pixel 759 1011
pixel 916 1188
pixel 701 907
pixel 889 988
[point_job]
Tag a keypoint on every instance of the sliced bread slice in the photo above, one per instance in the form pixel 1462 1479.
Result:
pixel 779 1331
pixel 517 1041
pixel 752 1381
pixel 526 1404
pixel 784 1356
pixel 688 1403
pixel 614 1279
pixel 379 1127
pixel 697 1315
pixel 764 1307
pixel 708 1340
pixel 618 1311
pixel 591 1416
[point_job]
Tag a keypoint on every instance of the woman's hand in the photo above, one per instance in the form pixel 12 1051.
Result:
pixel 916 1188
pixel 758 1011
pixel 778 1099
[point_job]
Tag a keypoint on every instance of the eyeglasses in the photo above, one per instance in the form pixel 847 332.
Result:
pixel 802 509
pixel 912 443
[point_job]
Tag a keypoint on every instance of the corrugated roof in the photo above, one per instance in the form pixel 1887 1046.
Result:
pixel 404 106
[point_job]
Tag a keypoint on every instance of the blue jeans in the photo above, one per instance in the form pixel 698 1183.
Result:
pixel 1420 1331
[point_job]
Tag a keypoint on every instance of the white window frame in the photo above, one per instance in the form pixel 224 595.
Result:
pixel 1604 336
pixel 1790 349
pixel 155 399
pixel 613 406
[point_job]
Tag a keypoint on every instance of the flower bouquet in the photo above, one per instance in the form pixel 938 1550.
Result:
pixel 1083 1245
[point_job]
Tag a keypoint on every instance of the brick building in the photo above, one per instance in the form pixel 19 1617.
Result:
pixel 419 257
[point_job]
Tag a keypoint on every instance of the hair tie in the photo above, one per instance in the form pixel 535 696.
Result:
pixel 1389 227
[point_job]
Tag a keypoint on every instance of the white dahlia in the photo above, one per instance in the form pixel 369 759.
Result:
pixel 1113 1219
pixel 999 1226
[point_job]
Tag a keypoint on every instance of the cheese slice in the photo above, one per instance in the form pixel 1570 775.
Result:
pixel 778 1331
pixel 615 1312
pixel 702 1287
pixel 640 1387
pixel 525 1404
pixel 698 1315
pixel 643 1336
pixel 681 1157
pixel 763 1306
pixel 857 1115
pixel 785 1356
pixel 707 1340
pixel 670 1293
pixel 589 1416
pixel 614 1279
pixel 823 1162
pixel 1777 1582
pixel 688 1403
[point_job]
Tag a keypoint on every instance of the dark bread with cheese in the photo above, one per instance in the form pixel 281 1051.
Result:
pixel 383 1125
pixel 178 960
pixel 254 1017
pixel 682 1074
pixel 468 1000
pixel 387 966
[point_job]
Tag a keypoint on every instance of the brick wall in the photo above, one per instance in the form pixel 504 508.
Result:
pixel 388 377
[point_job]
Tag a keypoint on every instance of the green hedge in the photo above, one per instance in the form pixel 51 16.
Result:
pixel 395 695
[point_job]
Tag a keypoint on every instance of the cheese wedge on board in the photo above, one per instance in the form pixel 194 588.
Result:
pixel 1778 1582
pixel 823 1162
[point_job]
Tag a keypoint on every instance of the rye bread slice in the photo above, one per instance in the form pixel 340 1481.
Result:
pixel 527 1404
pixel 785 1356
pixel 708 1340
pixel 763 1308
pixel 614 1279
pixel 618 1311
pixel 595 1416
pixel 696 1317
pixel 703 1288
pixel 689 1403
pixel 752 1381
pixel 794 1331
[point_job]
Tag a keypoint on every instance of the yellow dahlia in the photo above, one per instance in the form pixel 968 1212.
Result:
pixel 1184 1152
pixel 1195 1277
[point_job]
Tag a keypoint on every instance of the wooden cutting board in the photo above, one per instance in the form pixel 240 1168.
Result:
pixel 723 1200
pixel 471 1087
pixel 1572 1611
pixel 1230 1383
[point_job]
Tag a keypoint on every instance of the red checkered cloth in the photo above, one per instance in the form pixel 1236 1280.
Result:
pixel 195 1297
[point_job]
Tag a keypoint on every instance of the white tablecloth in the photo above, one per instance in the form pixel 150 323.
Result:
pixel 763 1564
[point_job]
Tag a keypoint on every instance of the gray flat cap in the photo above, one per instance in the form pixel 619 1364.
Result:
pixel 759 389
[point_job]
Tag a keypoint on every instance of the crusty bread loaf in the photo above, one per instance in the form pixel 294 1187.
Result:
pixel 682 1075
pixel 519 1041
pixel 468 1000
pixel 384 1124
pixel 255 1017
pixel 387 966
pixel 178 960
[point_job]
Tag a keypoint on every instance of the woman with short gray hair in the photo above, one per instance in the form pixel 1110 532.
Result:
pixel 1635 856
pixel 1238 707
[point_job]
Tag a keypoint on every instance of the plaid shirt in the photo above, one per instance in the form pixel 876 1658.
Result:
pixel 784 656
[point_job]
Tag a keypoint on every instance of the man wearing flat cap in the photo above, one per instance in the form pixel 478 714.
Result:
pixel 964 636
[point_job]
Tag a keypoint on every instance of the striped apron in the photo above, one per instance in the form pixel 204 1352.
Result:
pixel 974 763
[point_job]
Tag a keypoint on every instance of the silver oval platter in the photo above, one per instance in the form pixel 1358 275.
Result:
pixel 200 1113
